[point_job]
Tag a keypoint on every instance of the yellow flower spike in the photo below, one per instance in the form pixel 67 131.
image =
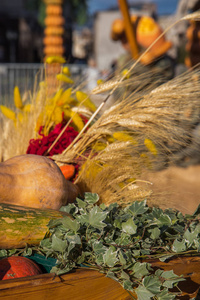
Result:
pixel 67 113
pixel 64 97
pixel 55 59
pixel 110 139
pixel 92 170
pixel 126 73
pixel 150 146
pixel 100 81
pixel 39 122
pixel 57 96
pixel 124 137
pixel 28 108
pixel 64 78
pixel 85 100
pixel 77 121
pixel 57 115
pixel 20 117
pixel 17 98
pixel 8 113
pixel 66 71
pixel 99 146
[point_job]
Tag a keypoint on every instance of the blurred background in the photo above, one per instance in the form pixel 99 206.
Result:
pixel 86 39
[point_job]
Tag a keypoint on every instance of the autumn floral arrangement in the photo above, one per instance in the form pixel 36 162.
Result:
pixel 111 228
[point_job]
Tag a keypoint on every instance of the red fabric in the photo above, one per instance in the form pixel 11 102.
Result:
pixel 41 145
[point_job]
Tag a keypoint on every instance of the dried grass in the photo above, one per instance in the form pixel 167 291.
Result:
pixel 166 116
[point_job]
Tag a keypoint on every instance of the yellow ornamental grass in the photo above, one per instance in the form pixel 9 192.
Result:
pixel 8 113
pixel 27 108
pixel 39 122
pixel 65 98
pixel 57 96
pixel 124 137
pixel 126 73
pixel 99 146
pixel 100 81
pixel 85 100
pixel 57 115
pixel 76 119
pixel 55 59
pixel 91 170
pixel 150 146
pixel 20 117
pixel 66 71
pixel 64 78
pixel 17 98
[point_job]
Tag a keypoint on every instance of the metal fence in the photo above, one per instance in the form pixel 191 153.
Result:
pixel 26 77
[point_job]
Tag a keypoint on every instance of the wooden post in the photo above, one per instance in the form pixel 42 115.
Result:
pixel 130 33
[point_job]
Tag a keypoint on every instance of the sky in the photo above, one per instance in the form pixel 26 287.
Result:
pixel 163 6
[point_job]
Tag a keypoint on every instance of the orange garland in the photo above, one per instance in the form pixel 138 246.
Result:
pixel 53 40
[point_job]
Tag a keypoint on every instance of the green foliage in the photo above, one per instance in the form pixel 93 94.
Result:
pixel 120 242
pixel 113 240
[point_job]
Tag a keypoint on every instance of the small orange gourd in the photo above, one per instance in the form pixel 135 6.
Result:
pixel 53 9
pixel 68 171
pixel 53 40
pixel 54 50
pixel 54 20
pixel 54 30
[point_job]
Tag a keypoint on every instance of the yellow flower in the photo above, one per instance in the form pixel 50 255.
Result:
pixel 55 59
pixel 57 115
pixel 66 71
pixel 39 122
pixel 76 119
pixel 8 113
pixel 65 97
pixel 20 117
pixel 100 81
pixel 57 96
pixel 150 146
pixel 17 98
pixel 124 137
pixel 85 100
pixel 64 78
pixel 28 108
pixel 126 73
pixel 99 146
pixel 91 170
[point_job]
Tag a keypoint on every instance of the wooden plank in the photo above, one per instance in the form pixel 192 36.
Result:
pixel 78 285
pixel 85 284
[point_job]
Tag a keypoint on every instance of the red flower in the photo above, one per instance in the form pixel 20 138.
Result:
pixel 41 145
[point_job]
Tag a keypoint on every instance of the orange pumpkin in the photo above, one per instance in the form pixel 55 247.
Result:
pixel 53 40
pixel 17 267
pixel 53 9
pixel 54 20
pixel 54 30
